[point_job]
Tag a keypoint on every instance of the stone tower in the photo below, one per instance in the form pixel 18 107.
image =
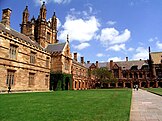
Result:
pixel 40 30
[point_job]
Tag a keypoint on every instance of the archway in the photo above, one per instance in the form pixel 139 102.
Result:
pixel 67 80
pixel 159 84
pixel 120 84
pixel 128 85
pixel 112 84
pixel 143 84
pixel 152 84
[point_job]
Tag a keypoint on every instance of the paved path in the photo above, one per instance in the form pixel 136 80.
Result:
pixel 146 106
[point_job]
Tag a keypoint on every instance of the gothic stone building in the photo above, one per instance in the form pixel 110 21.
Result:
pixel 129 73
pixel 34 60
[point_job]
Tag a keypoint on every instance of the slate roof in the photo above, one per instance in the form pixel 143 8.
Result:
pixel 125 65
pixel 19 35
pixel 58 47
pixel 76 62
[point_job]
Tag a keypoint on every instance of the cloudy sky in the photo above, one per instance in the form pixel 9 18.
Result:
pixel 100 30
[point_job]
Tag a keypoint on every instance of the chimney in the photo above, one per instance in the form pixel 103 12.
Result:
pixel 6 17
pixel 88 62
pixel 82 60
pixel 97 64
pixel 75 56
pixel 149 49
pixel 126 58
pixel 111 64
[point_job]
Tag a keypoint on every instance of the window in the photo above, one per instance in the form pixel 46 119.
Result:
pixel 66 64
pixel 46 80
pixel 10 77
pixel 130 75
pixel 31 79
pixel 116 73
pixel 135 75
pixel 124 74
pixel 48 36
pixel 12 52
pixel 140 75
pixel 32 57
pixel 47 62
pixel 75 84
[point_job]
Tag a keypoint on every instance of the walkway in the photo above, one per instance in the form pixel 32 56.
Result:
pixel 146 106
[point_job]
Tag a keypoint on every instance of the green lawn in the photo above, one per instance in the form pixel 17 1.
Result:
pixel 155 90
pixel 86 105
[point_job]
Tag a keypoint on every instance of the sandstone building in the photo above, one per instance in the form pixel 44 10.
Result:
pixel 34 60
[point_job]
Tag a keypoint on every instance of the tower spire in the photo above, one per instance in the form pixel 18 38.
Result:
pixel 67 38
pixel 43 11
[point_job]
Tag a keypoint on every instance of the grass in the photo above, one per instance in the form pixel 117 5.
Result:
pixel 155 90
pixel 87 105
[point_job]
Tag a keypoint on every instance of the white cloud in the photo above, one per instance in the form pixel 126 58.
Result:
pixel 111 23
pixel 115 59
pixel 58 22
pixel 117 47
pixel 79 29
pixel 100 55
pixel 40 2
pixel 110 36
pixel 130 49
pixel 153 39
pixel 159 45
pixel 81 46
pixel 61 1
pixel 141 53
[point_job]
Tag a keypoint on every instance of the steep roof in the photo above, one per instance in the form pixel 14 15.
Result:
pixel 58 47
pixel 125 65
pixel 82 65
pixel 19 35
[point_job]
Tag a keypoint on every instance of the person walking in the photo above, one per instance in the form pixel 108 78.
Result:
pixel 9 88
pixel 137 87
pixel 134 87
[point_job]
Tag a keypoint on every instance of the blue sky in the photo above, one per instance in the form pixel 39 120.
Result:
pixel 100 29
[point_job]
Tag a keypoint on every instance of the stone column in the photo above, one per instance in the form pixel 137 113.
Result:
pixel 108 84
pixel 156 84
pixel 123 84
pixel 131 84
pixel 116 84
pixel 148 84
pixel 139 84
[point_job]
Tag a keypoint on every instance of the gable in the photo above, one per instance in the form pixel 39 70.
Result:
pixel 115 66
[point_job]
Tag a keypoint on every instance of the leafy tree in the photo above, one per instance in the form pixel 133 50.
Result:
pixel 103 75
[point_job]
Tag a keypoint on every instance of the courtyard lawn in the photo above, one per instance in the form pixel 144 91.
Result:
pixel 86 105
pixel 155 90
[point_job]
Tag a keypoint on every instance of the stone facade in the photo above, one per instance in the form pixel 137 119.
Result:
pixel 80 74
pixel 129 73
pixel 28 59
pixel 21 58
pixel 34 60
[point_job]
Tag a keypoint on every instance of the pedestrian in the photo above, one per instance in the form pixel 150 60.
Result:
pixel 137 87
pixel 9 88
pixel 134 87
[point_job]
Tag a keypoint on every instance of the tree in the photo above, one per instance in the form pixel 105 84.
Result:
pixel 103 75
